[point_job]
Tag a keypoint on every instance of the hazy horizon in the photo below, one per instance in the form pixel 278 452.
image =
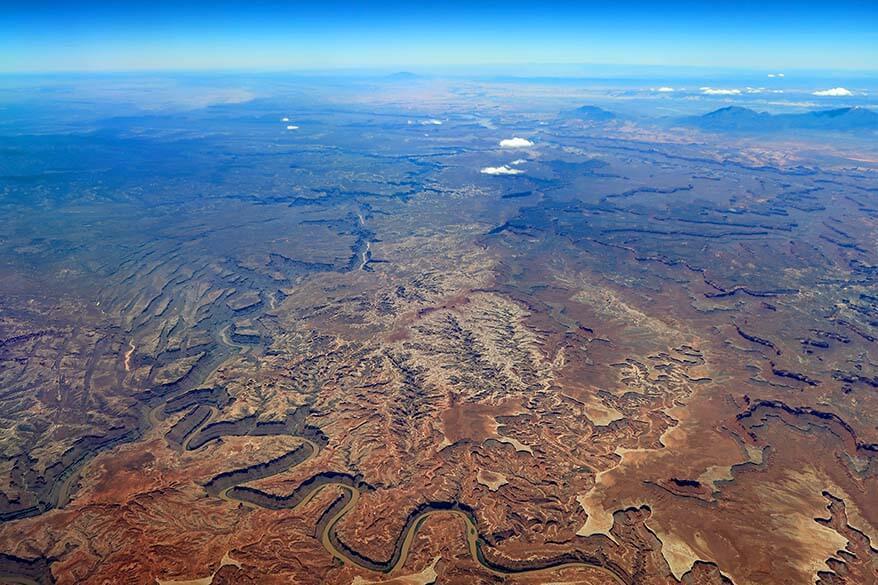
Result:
pixel 98 36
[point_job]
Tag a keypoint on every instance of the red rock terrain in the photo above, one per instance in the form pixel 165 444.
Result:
pixel 654 369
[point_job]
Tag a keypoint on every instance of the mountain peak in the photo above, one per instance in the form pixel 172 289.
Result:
pixel 731 110
pixel 737 118
pixel 592 114
pixel 403 75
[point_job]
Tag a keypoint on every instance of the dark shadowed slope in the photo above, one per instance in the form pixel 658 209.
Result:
pixel 736 118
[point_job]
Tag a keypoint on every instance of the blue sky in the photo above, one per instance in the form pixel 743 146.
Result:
pixel 159 35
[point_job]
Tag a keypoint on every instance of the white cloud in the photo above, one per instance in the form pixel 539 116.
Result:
pixel 665 89
pixel 714 91
pixel 432 122
pixel 835 91
pixel 775 74
pixel 284 119
pixel 515 143
pixel 503 170
pixel 755 89
pixel 518 161
pixel 292 127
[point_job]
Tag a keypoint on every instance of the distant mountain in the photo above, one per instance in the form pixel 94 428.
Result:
pixel 591 113
pixel 738 119
pixel 842 118
pixel 730 118
pixel 403 76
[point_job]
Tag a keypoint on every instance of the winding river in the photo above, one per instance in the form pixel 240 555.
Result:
pixel 228 486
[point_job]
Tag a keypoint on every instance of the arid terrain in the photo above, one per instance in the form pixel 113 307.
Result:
pixel 354 352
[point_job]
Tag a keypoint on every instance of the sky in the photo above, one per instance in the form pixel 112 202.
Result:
pixel 136 35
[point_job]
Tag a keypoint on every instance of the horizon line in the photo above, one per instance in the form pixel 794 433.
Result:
pixel 435 70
